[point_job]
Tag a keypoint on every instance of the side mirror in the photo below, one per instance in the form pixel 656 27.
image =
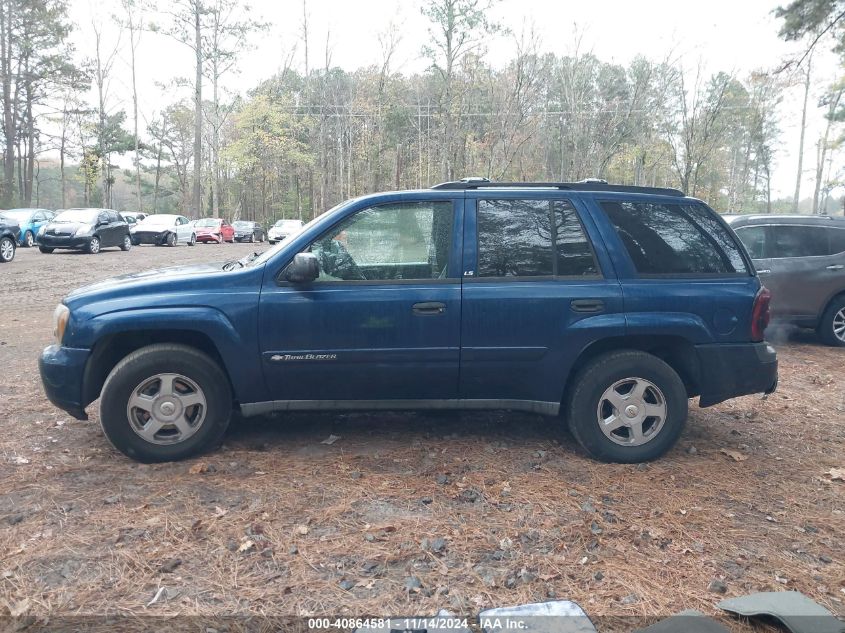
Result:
pixel 303 269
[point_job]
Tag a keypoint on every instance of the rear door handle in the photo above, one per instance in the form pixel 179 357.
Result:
pixel 835 267
pixel 429 308
pixel 587 305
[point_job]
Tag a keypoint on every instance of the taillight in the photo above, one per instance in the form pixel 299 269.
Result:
pixel 760 313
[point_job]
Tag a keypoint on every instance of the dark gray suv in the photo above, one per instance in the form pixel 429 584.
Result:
pixel 801 259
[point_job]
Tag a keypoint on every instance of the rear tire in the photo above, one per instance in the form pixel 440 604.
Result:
pixel 139 388
pixel 831 328
pixel 627 407
pixel 193 240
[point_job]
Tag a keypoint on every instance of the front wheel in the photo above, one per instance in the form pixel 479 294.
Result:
pixel 627 407
pixel 171 239
pixel 165 402
pixel 93 246
pixel 46 249
pixel 831 328
pixel 7 250
pixel 127 243
pixel 252 238
pixel 28 239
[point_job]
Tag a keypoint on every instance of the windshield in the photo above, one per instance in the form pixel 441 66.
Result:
pixel 241 224
pixel 288 224
pixel 208 222
pixel 263 257
pixel 161 219
pixel 19 216
pixel 87 216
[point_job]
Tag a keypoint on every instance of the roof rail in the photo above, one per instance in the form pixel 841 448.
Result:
pixel 588 184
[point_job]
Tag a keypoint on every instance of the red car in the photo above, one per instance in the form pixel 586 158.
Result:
pixel 214 230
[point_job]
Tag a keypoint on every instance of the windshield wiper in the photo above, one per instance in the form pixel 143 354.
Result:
pixel 243 261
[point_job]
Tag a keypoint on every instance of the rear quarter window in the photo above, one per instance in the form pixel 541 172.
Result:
pixel 675 239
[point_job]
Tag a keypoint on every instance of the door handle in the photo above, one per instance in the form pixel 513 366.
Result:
pixel 835 267
pixel 765 271
pixel 587 305
pixel 429 308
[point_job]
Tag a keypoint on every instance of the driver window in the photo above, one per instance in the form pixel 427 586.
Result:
pixel 396 241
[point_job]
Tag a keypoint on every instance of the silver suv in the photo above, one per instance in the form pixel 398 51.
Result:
pixel 801 259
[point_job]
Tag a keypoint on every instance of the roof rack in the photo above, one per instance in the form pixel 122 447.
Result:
pixel 588 184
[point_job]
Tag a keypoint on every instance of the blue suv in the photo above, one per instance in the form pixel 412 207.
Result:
pixel 608 306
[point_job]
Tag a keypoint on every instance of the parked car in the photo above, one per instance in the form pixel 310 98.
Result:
pixel 163 229
pixel 283 229
pixel 801 259
pixel 246 231
pixel 30 221
pixel 88 230
pixel 608 305
pixel 133 217
pixel 214 230
pixel 9 231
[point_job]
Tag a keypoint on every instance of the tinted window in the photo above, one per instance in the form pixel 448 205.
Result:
pixel 532 238
pixel 674 239
pixel 837 241
pixel 396 241
pixel 754 238
pixel 798 241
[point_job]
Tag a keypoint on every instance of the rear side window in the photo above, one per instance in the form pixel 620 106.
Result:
pixel 798 241
pixel 532 238
pixel 754 238
pixel 837 241
pixel 675 239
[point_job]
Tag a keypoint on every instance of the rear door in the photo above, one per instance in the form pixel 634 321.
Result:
pixel 535 294
pixel 382 322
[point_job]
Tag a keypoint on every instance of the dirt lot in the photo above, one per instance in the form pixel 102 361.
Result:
pixel 406 513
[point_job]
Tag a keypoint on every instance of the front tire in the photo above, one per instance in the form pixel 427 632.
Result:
pixel 46 249
pixel 93 247
pixel 7 249
pixel 252 238
pixel 627 407
pixel 171 239
pixel 28 239
pixel 165 402
pixel 127 243
pixel 831 328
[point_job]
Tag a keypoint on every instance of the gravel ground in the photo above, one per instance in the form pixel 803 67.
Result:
pixel 406 512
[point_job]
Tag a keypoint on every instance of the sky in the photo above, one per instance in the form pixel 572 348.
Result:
pixel 736 36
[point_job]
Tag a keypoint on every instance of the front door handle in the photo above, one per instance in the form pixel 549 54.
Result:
pixel 429 308
pixel 835 267
pixel 587 305
pixel 765 271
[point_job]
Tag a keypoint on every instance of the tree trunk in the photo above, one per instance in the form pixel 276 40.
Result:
pixel 797 197
pixel 197 195
pixel 135 114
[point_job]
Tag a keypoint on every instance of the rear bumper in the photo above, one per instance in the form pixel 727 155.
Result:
pixel 207 237
pixel 731 370
pixel 62 370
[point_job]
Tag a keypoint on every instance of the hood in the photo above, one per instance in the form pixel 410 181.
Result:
pixel 63 228
pixel 9 224
pixel 156 277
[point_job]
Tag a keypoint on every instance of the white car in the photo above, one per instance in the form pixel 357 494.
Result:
pixel 283 229
pixel 164 229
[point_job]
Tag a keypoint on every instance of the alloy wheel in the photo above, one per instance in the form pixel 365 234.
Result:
pixel 632 411
pixel 166 409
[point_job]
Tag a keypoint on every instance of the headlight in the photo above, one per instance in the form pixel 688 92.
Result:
pixel 85 229
pixel 42 230
pixel 60 319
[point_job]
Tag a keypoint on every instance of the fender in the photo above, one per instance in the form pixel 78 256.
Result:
pixel 680 324
pixel 237 346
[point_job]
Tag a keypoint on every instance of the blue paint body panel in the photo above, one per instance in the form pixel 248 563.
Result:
pixel 503 340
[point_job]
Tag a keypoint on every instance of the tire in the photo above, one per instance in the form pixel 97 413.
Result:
pixel 171 239
pixel 193 240
pixel 93 247
pixel 619 375
pixel 7 249
pixel 127 243
pixel 831 327
pixel 28 239
pixel 46 249
pixel 196 376
pixel 251 238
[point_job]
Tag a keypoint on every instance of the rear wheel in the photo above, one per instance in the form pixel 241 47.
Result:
pixel 28 239
pixel 627 407
pixel 165 402
pixel 93 246
pixel 832 325
pixel 193 239
pixel 7 249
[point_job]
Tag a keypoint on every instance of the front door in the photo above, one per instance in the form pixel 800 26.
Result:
pixel 534 296
pixel 382 321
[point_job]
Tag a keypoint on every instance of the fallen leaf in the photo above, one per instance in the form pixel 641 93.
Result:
pixel 836 474
pixel 246 546
pixel 302 530
pixel 331 439
pixel 219 512
pixel 734 455
pixel 20 460
pixel 198 469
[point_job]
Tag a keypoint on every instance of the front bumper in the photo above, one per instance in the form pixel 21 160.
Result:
pixel 62 370
pixel 148 237
pixel 730 370
pixel 63 241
